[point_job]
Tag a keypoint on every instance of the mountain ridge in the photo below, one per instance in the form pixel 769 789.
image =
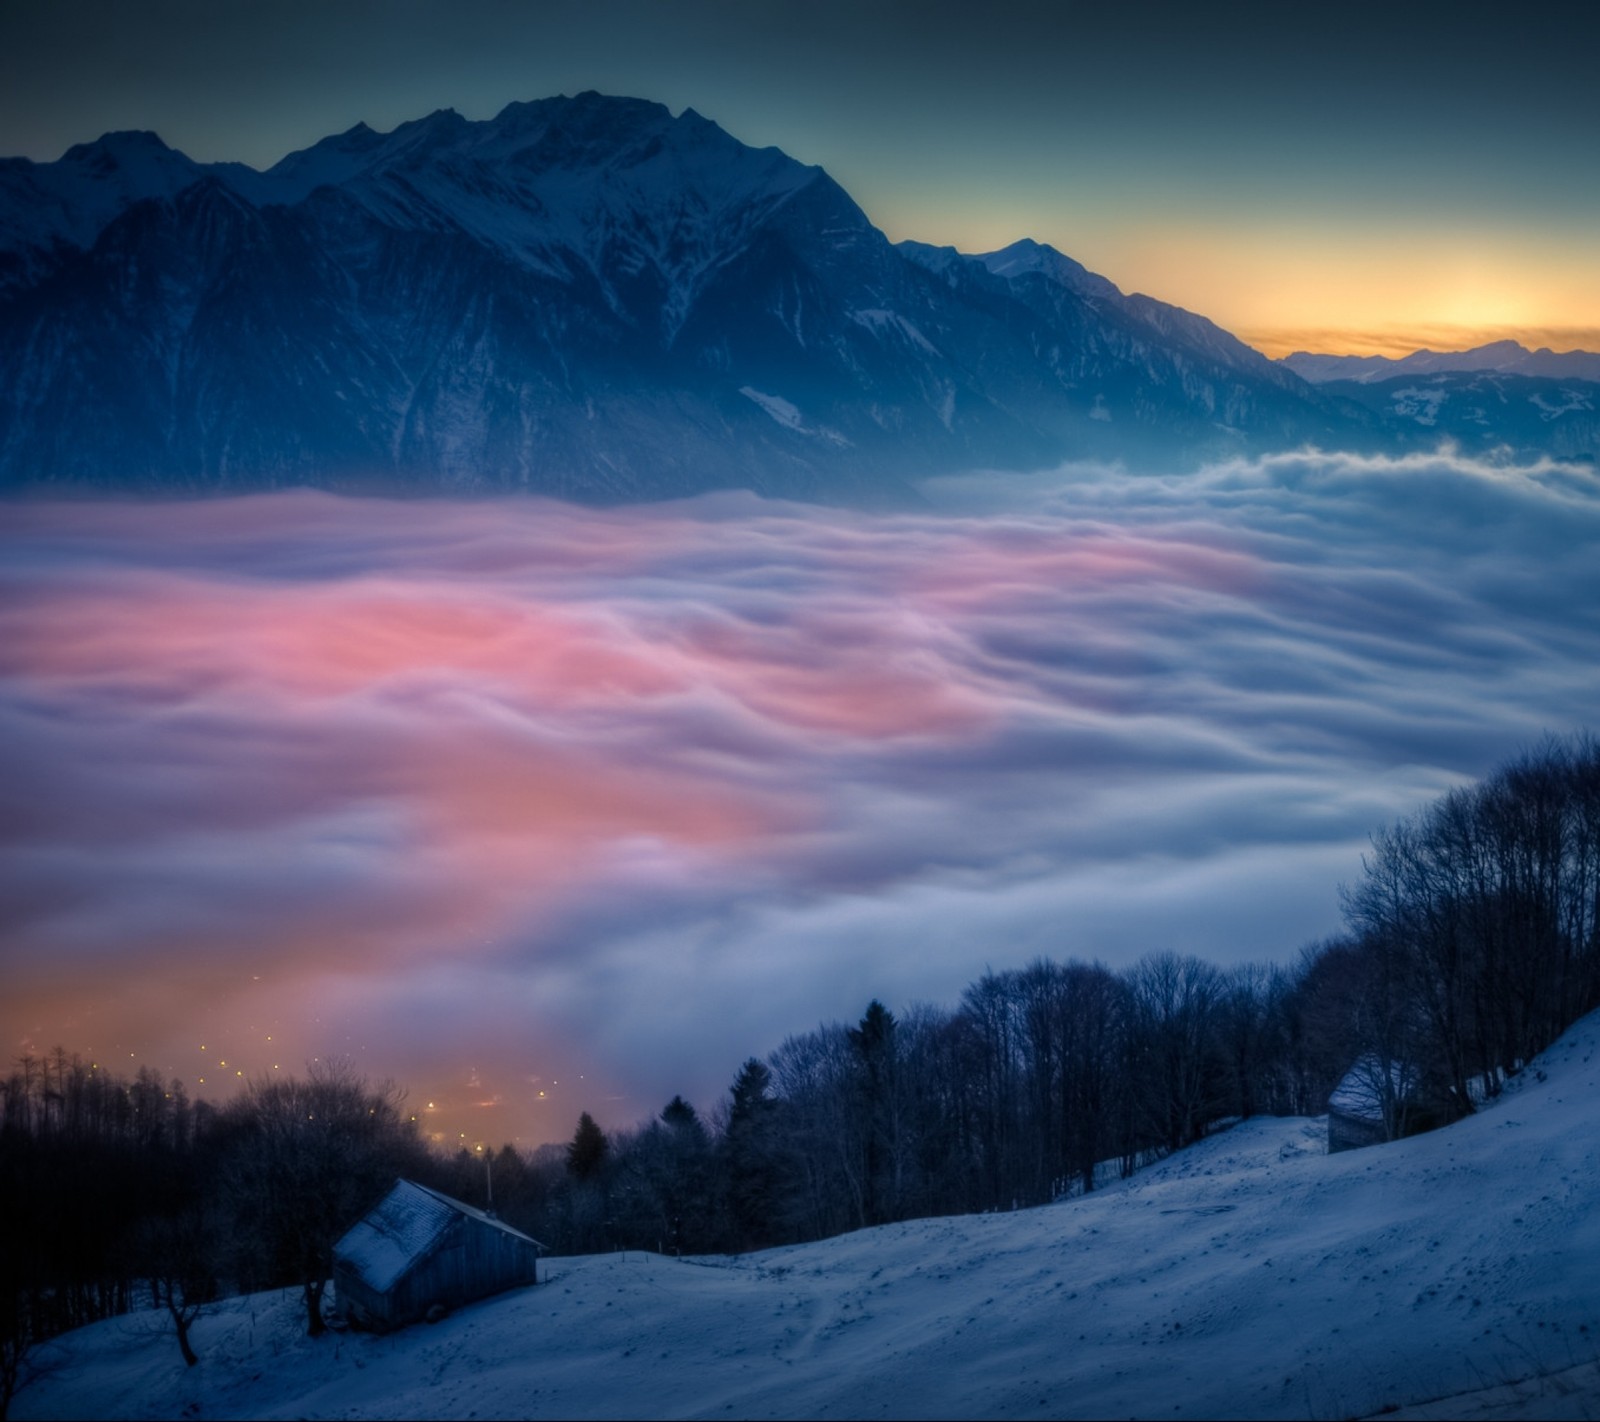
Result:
pixel 586 297
pixel 1506 357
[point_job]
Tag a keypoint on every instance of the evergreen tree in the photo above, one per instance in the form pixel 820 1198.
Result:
pixel 681 1116
pixel 752 1152
pixel 588 1149
pixel 873 1043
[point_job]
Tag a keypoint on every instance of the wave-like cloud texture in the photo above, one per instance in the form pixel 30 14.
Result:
pixel 509 798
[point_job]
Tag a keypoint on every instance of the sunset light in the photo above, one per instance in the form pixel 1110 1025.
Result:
pixel 799 709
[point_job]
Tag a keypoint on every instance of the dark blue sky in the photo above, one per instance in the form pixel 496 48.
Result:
pixel 1367 172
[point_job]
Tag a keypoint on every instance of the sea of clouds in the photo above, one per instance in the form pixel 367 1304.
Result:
pixel 511 797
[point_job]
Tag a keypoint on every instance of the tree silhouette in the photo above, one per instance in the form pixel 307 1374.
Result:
pixel 588 1149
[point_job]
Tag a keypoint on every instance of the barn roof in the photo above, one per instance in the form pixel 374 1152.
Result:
pixel 1360 1093
pixel 401 1229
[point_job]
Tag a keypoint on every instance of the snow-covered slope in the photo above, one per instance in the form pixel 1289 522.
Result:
pixel 1253 1276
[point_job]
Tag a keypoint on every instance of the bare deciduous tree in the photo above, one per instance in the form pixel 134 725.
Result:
pixel 311 1155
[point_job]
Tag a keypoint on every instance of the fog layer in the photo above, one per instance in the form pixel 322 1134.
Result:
pixel 509 798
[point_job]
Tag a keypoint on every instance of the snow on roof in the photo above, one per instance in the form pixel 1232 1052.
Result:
pixel 401 1229
pixel 385 1242
pixel 473 1212
pixel 1359 1094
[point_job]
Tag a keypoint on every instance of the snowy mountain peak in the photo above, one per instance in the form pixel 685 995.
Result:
pixel 47 209
pixel 577 296
pixel 118 146
pixel 1027 256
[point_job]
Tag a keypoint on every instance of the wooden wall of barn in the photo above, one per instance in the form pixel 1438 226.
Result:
pixel 1353 1132
pixel 472 1261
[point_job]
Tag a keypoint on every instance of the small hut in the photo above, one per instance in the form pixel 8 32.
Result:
pixel 1375 1102
pixel 417 1250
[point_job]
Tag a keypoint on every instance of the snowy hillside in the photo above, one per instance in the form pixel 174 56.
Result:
pixel 1251 1276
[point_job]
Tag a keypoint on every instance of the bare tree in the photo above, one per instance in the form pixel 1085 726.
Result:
pixel 1174 1047
pixel 311 1155
pixel 179 1255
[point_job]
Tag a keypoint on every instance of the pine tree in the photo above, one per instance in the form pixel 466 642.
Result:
pixel 874 1046
pixel 680 1115
pixel 753 1153
pixel 588 1149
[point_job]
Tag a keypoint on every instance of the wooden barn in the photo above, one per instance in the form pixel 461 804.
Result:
pixel 1374 1103
pixel 417 1250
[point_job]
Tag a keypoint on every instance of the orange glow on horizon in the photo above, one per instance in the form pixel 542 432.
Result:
pixel 1332 282
pixel 1402 340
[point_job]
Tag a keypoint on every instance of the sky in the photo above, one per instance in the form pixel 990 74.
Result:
pixel 539 809
pixel 1347 179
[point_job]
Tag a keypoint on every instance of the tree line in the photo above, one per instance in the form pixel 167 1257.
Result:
pixel 1472 941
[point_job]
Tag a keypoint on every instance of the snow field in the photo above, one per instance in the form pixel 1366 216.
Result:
pixel 1251 1276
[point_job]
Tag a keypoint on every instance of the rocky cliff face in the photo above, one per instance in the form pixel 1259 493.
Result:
pixel 585 297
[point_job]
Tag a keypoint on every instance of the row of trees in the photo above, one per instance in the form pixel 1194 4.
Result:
pixel 1038 1083
pixel 1473 941
pixel 1475 932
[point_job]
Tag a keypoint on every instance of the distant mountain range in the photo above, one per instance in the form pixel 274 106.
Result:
pixel 1499 357
pixel 591 298
pixel 1501 395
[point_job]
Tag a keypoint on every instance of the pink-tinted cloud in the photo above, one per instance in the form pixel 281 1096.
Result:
pixel 542 809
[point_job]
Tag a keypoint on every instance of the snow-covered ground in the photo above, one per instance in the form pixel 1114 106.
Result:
pixel 1253 1276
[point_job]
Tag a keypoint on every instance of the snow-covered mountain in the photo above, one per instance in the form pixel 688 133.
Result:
pixel 582 296
pixel 1502 357
pixel 1488 410
pixel 1497 397
pixel 1451 1275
